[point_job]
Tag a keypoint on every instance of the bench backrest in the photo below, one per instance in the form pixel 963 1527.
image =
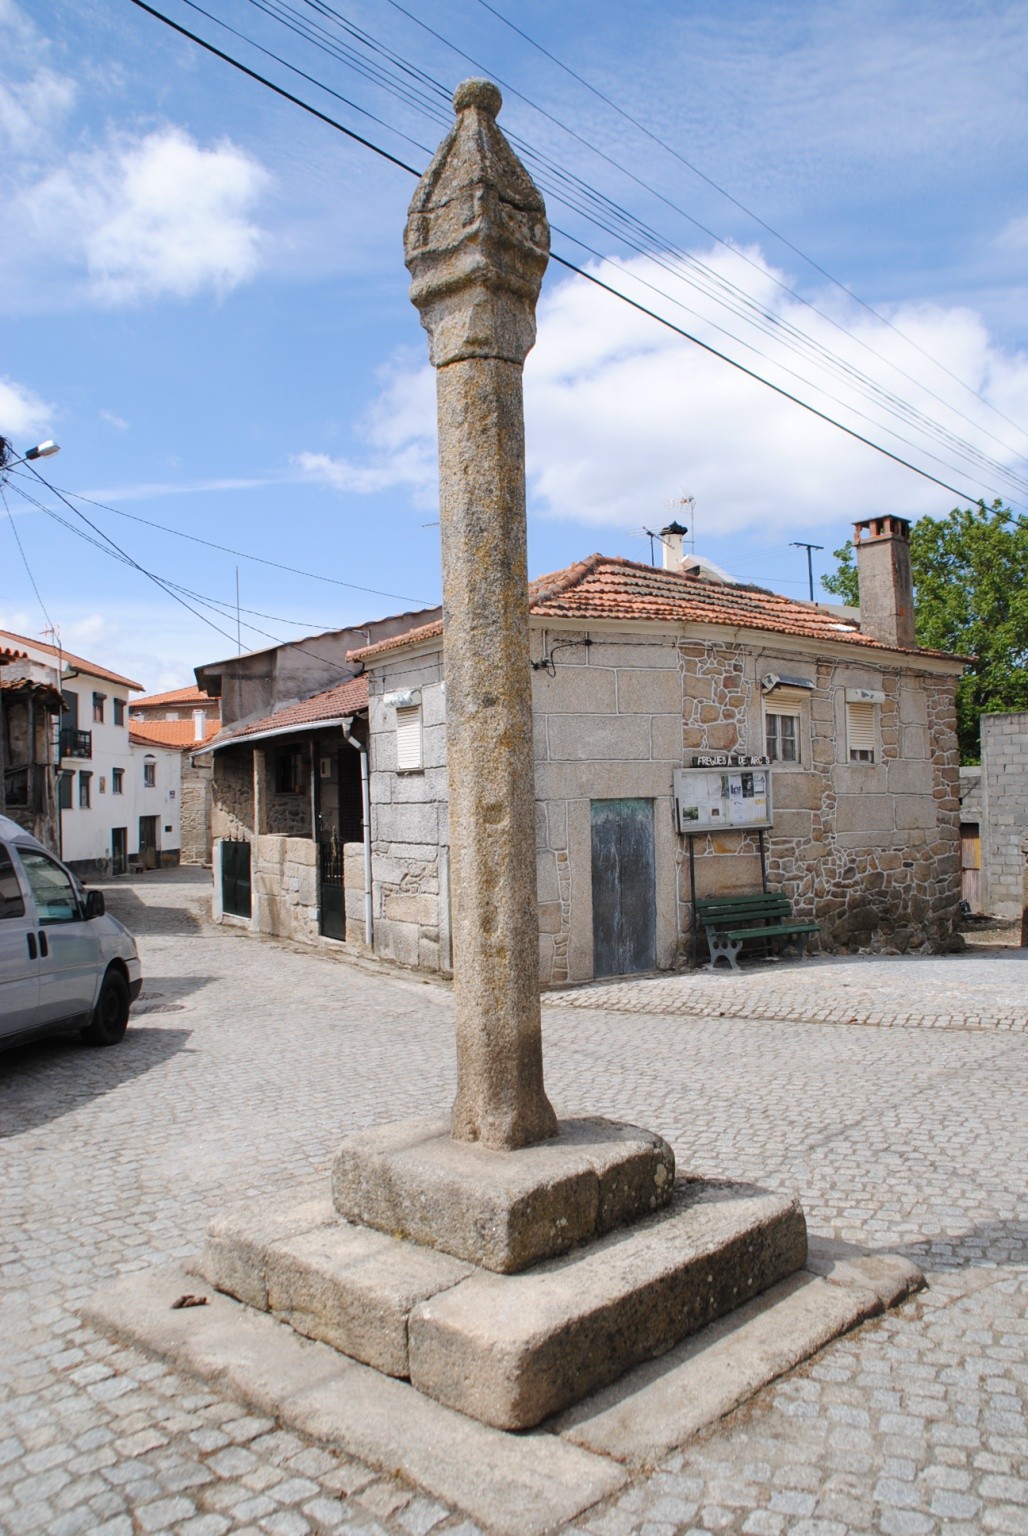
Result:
pixel 733 911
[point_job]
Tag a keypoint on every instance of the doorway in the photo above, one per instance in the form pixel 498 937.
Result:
pixel 624 887
pixel 148 842
pixel 119 850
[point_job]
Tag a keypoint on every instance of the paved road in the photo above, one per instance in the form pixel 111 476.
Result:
pixel 891 1093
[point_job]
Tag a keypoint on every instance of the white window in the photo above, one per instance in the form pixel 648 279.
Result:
pixel 860 731
pixel 782 735
pixel 150 773
pixel 408 738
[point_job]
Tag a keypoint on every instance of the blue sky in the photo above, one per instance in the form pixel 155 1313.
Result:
pixel 203 297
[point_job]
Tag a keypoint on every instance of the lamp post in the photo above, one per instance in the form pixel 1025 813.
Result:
pixel 44 450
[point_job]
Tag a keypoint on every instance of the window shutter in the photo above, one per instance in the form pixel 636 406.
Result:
pixel 408 738
pixel 860 727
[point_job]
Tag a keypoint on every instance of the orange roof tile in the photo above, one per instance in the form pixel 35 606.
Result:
pixel 344 699
pixel 170 733
pixel 609 587
pixel 191 694
pixel 71 660
pixel 7 656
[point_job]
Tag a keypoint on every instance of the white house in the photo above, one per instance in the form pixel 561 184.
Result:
pixel 99 822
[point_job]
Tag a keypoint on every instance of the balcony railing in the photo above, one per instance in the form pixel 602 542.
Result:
pixel 76 743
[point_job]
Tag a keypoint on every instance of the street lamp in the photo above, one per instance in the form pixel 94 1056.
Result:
pixel 44 450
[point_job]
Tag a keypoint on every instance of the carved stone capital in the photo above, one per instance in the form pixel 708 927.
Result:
pixel 477 241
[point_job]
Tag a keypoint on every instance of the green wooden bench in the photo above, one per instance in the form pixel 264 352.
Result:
pixel 729 922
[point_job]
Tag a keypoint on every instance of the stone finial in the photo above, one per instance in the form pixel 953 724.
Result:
pixel 477 241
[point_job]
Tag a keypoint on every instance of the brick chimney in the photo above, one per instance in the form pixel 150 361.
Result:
pixel 886 586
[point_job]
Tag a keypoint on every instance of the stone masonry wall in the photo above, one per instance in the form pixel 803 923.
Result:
pixel 285 887
pixel 409 827
pixel 871 851
pixel 1005 807
pixel 196 808
pixel 232 807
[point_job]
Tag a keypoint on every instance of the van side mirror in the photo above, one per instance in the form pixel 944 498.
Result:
pixel 95 904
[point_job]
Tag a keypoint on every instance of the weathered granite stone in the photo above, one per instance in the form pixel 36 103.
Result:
pixel 476 244
pixel 513 1349
pixel 502 1210
pixel 350 1287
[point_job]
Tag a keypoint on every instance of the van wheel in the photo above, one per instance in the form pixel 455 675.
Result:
pixel 110 1018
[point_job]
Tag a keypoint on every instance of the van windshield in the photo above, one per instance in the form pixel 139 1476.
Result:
pixel 52 888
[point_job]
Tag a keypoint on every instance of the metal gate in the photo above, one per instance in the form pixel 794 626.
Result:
pixel 235 877
pixel 624 887
pixel 331 893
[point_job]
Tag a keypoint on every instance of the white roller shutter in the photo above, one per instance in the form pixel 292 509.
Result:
pixel 860 729
pixel 408 738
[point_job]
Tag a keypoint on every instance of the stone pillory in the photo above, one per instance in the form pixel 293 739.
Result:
pixel 476 244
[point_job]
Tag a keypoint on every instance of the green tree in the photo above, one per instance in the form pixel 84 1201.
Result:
pixel 970 573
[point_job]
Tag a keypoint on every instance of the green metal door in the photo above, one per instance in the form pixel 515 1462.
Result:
pixel 624 887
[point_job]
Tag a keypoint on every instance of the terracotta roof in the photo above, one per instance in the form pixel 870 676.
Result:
pixel 188 695
pixel 69 658
pixel 170 733
pixel 344 699
pixel 611 588
pixel 7 656
pixel 44 693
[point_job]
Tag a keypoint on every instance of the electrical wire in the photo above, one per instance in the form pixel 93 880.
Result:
pixel 377 149
pixel 656 192
pixel 723 192
pixel 24 556
pixel 240 554
pixel 757 314
pixel 710 281
pixel 116 552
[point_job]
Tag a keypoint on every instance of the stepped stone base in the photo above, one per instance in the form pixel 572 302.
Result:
pixel 502 1210
pixel 509 1349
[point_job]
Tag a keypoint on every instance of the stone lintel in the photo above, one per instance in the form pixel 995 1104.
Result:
pixel 503 1211
pixel 511 1350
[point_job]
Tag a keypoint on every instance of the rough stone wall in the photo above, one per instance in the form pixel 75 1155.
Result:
pixel 409 825
pixel 284 878
pixel 870 851
pixel 196 810
pixel 232 803
pixel 1005 807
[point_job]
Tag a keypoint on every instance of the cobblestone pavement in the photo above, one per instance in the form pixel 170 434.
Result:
pixel 248 1062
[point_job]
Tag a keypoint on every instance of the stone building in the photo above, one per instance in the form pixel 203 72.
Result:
pixel 30 708
pixel 184 719
pixel 639 673
pixel 994 817
pixel 287 820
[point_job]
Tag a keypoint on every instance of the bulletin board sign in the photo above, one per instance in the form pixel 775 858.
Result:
pixel 719 799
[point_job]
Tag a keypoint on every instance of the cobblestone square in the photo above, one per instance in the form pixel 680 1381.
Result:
pixel 889 1092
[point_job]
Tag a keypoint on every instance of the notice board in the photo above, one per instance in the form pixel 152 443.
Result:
pixel 715 799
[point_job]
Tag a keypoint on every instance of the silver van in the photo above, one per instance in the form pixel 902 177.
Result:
pixel 64 963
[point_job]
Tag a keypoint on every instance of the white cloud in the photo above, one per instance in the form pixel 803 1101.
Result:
pixel 623 416
pixel 112 420
pixel 22 413
pixel 153 216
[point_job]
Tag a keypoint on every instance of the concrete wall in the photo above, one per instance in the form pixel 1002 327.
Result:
pixel 1005 811
pixel 870 851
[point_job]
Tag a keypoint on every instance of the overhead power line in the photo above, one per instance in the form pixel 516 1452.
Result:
pixel 606 214
pixel 377 149
pixel 750 214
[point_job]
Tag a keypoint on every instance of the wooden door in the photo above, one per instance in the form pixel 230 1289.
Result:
pixel 624 887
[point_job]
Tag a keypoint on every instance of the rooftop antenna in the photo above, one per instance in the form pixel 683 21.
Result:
pixel 799 544
pixel 688 506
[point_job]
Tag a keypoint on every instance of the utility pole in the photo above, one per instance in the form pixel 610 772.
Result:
pixel 798 544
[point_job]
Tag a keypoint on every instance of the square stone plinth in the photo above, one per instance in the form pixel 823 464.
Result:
pixel 513 1349
pixel 503 1211
pixel 508 1350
